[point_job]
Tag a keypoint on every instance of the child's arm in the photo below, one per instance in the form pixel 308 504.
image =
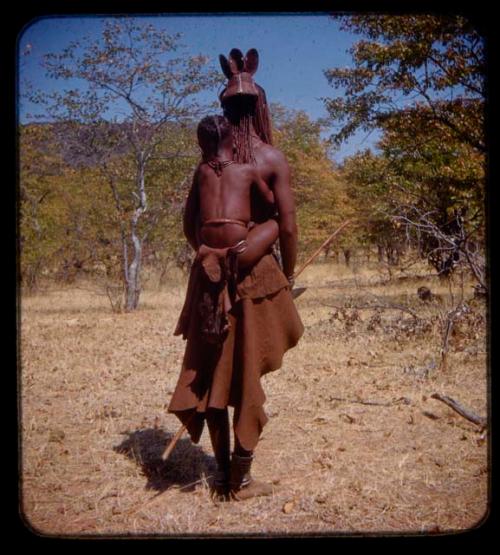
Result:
pixel 263 188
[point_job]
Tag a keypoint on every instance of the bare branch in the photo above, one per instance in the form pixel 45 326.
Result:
pixel 461 410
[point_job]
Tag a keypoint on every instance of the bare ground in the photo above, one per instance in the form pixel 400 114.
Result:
pixel 355 443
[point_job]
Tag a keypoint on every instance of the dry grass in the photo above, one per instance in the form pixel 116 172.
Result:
pixel 95 386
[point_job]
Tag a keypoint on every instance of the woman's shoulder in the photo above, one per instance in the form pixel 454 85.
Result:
pixel 271 153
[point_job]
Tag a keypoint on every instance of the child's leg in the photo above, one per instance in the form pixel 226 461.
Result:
pixel 260 239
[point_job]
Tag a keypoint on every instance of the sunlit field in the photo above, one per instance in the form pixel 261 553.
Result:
pixel 355 442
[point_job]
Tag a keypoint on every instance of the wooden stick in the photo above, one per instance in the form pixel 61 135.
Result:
pixel 401 400
pixel 325 243
pixel 175 439
pixel 457 407
pixel 444 349
pixel 171 445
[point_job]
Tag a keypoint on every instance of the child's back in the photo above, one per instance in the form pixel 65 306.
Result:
pixel 224 187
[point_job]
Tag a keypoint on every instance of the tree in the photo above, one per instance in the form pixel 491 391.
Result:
pixel 424 191
pixel 318 191
pixel 419 79
pixel 65 229
pixel 438 61
pixel 443 182
pixel 367 178
pixel 38 169
pixel 135 91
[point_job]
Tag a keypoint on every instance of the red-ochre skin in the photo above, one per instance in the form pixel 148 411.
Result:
pixel 228 196
pixel 274 170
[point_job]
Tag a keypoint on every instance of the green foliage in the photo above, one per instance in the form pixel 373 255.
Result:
pixel 127 130
pixel 62 222
pixel 368 179
pixel 420 79
pixel 38 221
pixel 70 222
pixel 318 191
pixel 432 162
pixel 438 60
pixel 169 178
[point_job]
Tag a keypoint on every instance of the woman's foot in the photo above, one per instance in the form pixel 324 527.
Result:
pixel 242 484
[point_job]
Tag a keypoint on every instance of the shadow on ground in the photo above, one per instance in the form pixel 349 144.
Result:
pixel 185 466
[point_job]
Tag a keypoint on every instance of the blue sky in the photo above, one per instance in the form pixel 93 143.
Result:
pixel 293 49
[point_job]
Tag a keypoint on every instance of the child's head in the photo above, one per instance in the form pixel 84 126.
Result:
pixel 214 133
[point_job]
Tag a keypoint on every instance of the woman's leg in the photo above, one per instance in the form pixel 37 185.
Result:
pixel 260 239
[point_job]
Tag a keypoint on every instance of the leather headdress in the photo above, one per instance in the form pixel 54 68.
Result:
pixel 239 70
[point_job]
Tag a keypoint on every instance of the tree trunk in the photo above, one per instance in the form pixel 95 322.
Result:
pixel 124 243
pixel 380 253
pixel 347 256
pixel 391 255
pixel 133 283
pixel 326 253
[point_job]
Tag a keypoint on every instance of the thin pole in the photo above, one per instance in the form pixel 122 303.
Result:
pixel 313 256
pixel 177 436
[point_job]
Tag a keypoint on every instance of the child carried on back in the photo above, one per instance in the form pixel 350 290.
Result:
pixel 223 189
